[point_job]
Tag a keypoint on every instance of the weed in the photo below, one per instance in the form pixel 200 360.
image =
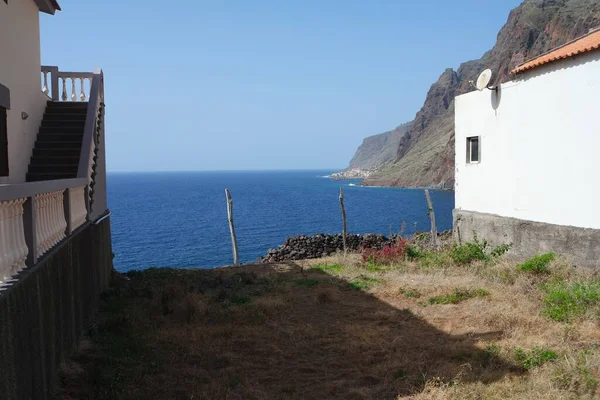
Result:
pixel 411 293
pixel 371 267
pixel 422 304
pixel 400 374
pixel 358 285
pixel 458 295
pixel 328 268
pixel 566 301
pixel 499 251
pixel 537 264
pixel 239 300
pixel 363 282
pixel 308 282
pixel 535 357
pixel 576 374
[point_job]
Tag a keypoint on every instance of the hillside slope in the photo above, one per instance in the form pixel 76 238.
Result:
pixel 424 153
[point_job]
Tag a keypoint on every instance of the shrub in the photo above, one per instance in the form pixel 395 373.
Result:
pixel 499 251
pixel 476 251
pixel 387 254
pixel 469 252
pixel 537 264
pixel 413 253
pixel 566 301
pixel 534 357
pixel 458 295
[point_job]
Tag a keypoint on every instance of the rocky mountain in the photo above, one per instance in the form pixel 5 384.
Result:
pixel 421 153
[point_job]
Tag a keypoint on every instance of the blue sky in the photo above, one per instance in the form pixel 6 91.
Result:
pixel 263 84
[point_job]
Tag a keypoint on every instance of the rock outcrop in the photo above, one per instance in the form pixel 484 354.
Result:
pixel 421 153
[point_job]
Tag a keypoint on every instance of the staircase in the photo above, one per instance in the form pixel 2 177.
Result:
pixel 58 146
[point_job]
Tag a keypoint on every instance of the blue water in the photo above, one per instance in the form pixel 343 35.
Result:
pixel 180 219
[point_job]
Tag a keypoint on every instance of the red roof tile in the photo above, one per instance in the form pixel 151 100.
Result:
pixel 584 44
pixel 56 5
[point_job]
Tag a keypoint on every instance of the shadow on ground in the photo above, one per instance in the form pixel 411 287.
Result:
pixel 264 332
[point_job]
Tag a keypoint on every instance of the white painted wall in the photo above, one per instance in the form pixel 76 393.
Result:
pixel 20 71
pixel 540 146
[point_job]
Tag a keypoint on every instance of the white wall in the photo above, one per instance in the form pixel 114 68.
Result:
pixel 20 72
pixel 540 147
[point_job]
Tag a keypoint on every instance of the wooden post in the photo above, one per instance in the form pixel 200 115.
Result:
pixel 434 238
pixel 234 245
pixel 344 231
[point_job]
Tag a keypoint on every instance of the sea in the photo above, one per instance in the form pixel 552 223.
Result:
pixel 179 219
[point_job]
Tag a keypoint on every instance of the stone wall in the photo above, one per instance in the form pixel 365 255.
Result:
pixel 322 245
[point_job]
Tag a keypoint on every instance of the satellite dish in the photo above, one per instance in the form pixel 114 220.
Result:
pixel 484 79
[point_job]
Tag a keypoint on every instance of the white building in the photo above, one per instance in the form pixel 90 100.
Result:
pixel 528 156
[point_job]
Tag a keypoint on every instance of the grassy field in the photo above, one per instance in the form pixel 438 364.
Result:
pixel 459 324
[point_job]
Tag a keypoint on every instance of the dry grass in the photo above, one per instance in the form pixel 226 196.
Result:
pixel 336 329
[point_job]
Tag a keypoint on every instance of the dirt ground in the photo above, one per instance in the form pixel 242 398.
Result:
pixel 330 329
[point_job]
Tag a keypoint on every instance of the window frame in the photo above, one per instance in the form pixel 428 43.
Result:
pixel 470 140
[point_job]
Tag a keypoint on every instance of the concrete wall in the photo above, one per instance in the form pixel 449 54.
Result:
pixel 539 141
pixel 20 71
pixel 581 245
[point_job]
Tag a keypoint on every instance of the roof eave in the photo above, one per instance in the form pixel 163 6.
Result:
pixel 48 6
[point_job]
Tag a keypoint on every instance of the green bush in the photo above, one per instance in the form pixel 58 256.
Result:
pixel 476 251
pixel 534 357
pixel 468 252
pixel 458 295
pixel 566 301
pixel 499 251
pixel 537 264
pixel 413 253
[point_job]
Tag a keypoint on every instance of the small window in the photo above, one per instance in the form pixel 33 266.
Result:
pixel 3 143
pixel 473 153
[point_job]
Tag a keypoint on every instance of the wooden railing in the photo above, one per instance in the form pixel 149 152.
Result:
pixel 36 216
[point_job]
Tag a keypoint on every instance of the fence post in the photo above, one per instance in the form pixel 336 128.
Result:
pixel 344 231
pixel 234 245
pixel 434 238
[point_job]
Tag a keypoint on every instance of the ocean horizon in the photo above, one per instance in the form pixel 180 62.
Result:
pixel 178 219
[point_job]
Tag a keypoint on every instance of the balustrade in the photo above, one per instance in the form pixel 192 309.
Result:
pixel 78 83
pixel 51 224
pixel 13 249
pixel 78 209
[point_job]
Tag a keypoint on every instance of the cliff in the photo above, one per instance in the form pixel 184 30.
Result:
pixel 421 153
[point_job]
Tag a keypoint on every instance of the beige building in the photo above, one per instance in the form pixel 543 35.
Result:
pixel 55 247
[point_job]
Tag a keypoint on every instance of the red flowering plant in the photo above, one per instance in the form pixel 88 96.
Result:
pixel 387 254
